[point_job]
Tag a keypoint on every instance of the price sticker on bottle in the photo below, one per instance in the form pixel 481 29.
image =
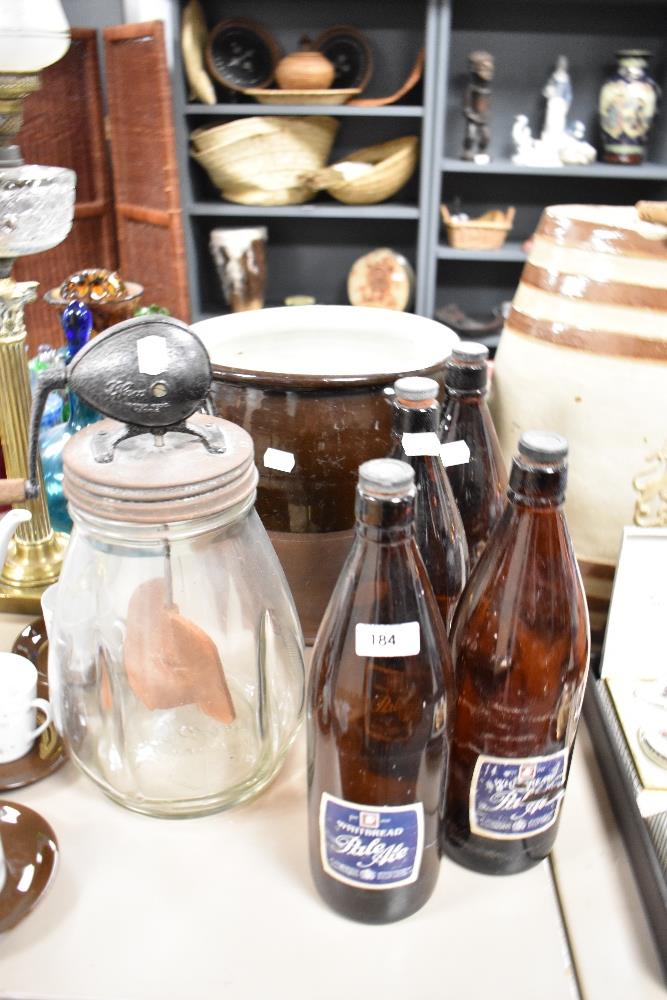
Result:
pixel 454 453
pixel 425 443
pixel 387 640
pixel 283 461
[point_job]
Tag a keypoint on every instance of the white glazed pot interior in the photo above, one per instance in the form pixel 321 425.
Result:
pixel 326 341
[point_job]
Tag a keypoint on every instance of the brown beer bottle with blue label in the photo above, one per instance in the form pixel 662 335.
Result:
pixel 379 706
pixel 478 485
pixel 438 527
pixel 520 645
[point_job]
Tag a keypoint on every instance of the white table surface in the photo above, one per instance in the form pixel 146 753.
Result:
pixel 223 906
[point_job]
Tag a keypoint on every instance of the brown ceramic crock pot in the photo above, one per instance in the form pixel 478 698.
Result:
pixel 309 385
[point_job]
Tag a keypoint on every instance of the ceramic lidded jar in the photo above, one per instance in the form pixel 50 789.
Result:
pixel 306 69
pixel 175 655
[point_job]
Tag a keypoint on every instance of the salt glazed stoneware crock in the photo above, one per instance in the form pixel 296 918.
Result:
pixel 308 383
pixel 584 353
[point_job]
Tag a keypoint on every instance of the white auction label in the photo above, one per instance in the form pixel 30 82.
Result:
pixel 283 461
pixel 425 443
pixel 455 453
pixel 387 640
pixel 152 355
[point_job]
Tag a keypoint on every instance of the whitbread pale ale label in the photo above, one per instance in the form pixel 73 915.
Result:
pixel 516 797
pixel 371 847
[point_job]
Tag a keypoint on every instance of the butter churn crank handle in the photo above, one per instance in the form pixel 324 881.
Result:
pixel 47 382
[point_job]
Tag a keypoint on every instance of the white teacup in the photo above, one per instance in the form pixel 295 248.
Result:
pixel 18 701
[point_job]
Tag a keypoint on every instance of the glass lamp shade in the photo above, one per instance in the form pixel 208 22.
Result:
pixel 36 208
pixel 33 34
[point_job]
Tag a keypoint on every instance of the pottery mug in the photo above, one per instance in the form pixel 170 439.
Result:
pixel 18 702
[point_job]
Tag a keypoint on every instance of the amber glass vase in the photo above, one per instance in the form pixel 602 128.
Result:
pixel 478 485
pixel 438 527
pixel 520 644
pixel 379 705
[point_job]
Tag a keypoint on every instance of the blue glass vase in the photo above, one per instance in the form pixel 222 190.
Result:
pixel 77 321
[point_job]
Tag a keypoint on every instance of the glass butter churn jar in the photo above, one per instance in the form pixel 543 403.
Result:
pixel 175 654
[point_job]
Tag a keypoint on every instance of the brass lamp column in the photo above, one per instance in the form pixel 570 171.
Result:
pixel 36 553
pixel 14 88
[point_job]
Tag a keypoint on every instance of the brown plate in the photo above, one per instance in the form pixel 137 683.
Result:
pixel 349 51
pixel 31 855
pixel 48 752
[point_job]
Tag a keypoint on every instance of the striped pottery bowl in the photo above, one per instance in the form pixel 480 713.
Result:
pixel 584 352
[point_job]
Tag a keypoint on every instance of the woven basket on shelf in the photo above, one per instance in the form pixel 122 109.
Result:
pixel 487 232
pixel 393 164
pixel 262 160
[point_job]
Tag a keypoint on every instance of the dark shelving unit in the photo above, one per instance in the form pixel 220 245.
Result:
pixel 311 247
pixel 525 38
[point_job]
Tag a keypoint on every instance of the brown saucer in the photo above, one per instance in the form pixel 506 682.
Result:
pixel 48 752
pixel 31 855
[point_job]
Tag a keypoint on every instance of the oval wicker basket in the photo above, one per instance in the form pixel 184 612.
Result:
pixel 263 160
pixel 487 232
pixel 393 164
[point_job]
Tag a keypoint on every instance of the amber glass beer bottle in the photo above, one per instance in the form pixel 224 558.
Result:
pixel 438 528
pixel 379 707
pixel 520 644
pixel 478 485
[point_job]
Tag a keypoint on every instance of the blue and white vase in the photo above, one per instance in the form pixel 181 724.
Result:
pixel 627 107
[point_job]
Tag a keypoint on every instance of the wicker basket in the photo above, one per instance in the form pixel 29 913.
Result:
pixel 393 164
pixel 262 160
pixel 487 232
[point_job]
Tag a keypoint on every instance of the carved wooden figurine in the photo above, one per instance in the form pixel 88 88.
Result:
pixel 477 107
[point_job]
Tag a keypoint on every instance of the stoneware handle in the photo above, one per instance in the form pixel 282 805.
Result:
pixel 45 706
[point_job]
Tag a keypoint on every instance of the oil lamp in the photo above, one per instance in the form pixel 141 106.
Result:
pixel 36 211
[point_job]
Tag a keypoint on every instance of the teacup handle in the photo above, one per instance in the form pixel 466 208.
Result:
pixel 46 708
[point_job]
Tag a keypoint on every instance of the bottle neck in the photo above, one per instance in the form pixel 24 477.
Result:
pixel 535 485
pixel 465 395
pixel 465 379
pixel 415 420
pixel 388 520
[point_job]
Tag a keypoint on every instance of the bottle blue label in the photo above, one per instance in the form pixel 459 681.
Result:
pixel 516 797
pixel 372 847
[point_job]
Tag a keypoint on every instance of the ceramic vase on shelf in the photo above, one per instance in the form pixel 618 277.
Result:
pixel 628 103
pixel 306 69
pixel 240 259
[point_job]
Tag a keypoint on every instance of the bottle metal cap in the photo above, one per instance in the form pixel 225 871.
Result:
pixel 469 352
pixel 383 477
pixel 415 388
pixel 543 446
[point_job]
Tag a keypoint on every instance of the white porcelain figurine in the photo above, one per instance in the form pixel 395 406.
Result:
pixel 557 144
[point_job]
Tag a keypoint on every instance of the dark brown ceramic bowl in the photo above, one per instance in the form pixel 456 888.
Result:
pixel 310 382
